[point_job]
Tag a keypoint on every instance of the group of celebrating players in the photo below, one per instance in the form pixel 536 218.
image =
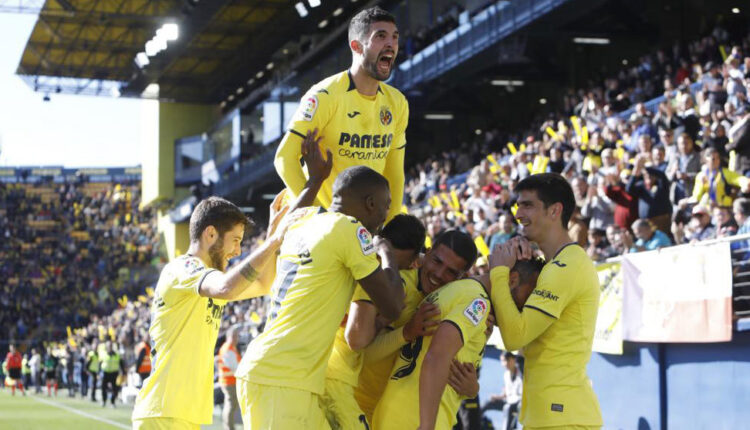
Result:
pixel 364 331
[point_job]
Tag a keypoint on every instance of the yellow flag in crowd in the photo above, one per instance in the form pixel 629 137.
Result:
pixel 123 301
pixel 522 148
pixel 149 291
pixel 513 209
pixel 492 159
pixel 512 148
pixel 540 164
pixel 482 246
pixel 427 242
pixel 454 199
pixel 142 299
pixel 404 210
pixel 620 153
pixel 585 135
pixel 553 134
pixel 723 52
pixel 255 318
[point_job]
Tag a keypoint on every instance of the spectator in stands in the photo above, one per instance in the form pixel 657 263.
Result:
pixel 510 399
pixel 142 363
pixel 725 224
pixel 506 225
pixel 597 208
pixel 716 185
pixel 598 248
pixel 614 237
pixel 699 228
pixel 741 209
pixel 683 168
pixel 648 237
pixel 626 205
pixel 651 187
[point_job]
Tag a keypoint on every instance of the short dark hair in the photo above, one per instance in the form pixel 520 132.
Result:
pixel 528 268
pixel 508 355
pixel 358 180
pixel 218 212
pixel 460 243
pixel 405 232
pixel 743 204
pixel 551 188
pixel 359 25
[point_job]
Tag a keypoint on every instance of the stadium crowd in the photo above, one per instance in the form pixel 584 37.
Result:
pixel 78 245
pixel 642 179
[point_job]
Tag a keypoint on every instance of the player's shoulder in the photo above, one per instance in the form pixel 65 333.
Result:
pixel 331 86
pixel 185 265
pixel 394 94
pixel 570 259
pixel 457 293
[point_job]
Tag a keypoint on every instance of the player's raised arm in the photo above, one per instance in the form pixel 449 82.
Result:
pixel 246 279
pixel 517 328
pixel 313 113
pixel 384 285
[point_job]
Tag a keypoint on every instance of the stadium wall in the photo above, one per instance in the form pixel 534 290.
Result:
pixel 676 386
pixel 163 124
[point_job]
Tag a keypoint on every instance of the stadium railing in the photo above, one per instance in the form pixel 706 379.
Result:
pixel 486 28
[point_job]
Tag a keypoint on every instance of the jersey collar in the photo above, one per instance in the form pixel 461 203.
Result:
pixel 354 87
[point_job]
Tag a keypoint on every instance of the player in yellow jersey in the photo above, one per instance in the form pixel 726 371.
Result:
pixel 407 235
pixel 416 395
pixel 188 303
pixel 362 119
pixel 448 260
pixel 556 325
pixel 282 375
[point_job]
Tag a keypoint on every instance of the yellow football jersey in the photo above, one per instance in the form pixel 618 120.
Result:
pixel 462 303
pixel 556 389
pixel 184 328
pixel 357 129
pixel 321 257
pixel 373 376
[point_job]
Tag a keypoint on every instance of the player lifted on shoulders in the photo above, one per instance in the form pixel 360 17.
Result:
pixel 362 120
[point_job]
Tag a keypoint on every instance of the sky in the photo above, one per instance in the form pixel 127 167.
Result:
pixel 69 130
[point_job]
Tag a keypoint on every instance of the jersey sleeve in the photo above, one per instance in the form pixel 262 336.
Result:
pixel 314 111
pixel 466 310
pixel 553 290
pixel 360 295
pixel 356 248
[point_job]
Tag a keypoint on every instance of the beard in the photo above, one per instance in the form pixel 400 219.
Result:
pixel 216 255
pixel 371 66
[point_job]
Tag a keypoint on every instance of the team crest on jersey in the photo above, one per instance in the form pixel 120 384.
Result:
pixel 385 115
pixel 308 108
pixel 476 310
pixel 365 241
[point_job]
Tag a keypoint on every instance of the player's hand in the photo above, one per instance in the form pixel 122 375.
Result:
pixel 463 378
pixel 384 249
pixel 318 168
pixel 287 219
pixel 423 323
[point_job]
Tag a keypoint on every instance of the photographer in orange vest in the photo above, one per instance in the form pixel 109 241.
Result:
pixel 143 358
pixel 227 361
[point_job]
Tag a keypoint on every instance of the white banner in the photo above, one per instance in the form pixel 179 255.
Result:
pixel 678 294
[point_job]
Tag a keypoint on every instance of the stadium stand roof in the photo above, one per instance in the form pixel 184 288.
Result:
pixel 90 46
